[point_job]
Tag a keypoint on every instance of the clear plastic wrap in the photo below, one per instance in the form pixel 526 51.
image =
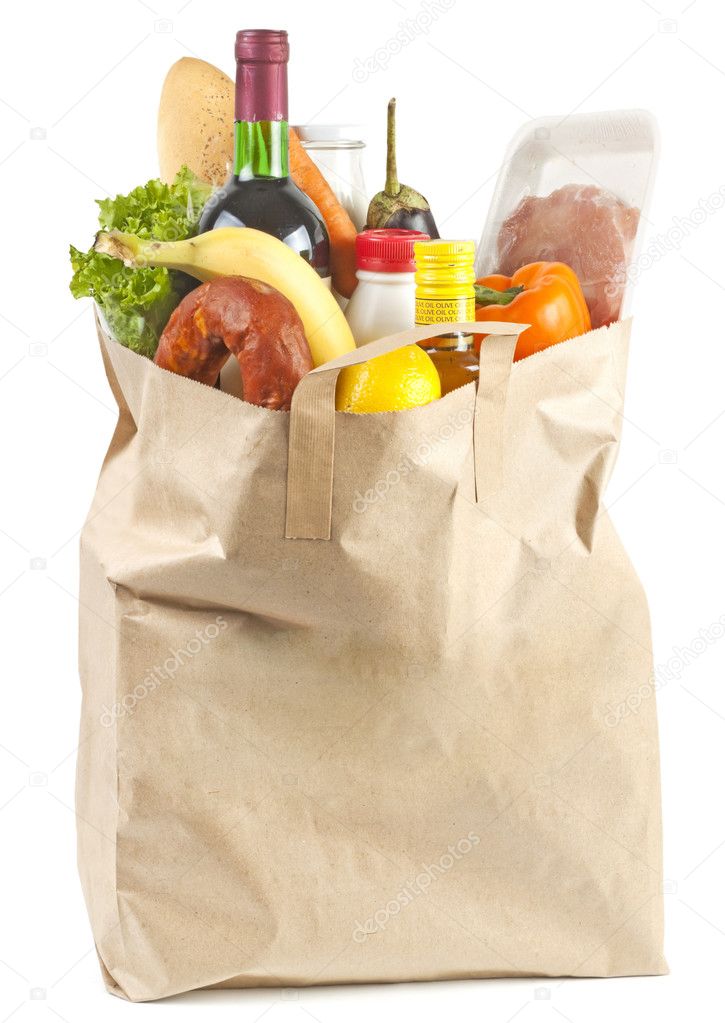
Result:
pixel 576 190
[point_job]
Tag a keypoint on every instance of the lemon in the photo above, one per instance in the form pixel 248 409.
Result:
pixel 402 379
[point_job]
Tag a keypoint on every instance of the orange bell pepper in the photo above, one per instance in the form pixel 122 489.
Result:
pixel 546 295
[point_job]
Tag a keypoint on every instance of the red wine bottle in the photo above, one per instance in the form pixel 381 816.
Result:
pixel 260 192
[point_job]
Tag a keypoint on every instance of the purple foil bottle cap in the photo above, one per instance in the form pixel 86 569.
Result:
pixel 261 90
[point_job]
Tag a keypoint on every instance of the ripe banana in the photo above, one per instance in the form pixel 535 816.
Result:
pixel 245 252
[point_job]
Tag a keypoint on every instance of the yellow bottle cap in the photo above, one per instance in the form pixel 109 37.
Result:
pixel 444 265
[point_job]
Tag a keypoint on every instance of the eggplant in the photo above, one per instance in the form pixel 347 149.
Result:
pixel 398 205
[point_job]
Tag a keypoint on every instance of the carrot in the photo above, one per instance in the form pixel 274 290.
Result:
pixel 340 228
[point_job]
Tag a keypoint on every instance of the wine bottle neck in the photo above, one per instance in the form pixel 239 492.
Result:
pixel 261 149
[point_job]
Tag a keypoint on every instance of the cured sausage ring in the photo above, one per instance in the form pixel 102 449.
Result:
pixel 248 318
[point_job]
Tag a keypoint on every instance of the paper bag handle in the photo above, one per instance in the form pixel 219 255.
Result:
pixel 311 458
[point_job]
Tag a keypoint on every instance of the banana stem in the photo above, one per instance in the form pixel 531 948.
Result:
pixel 136 252
pixel 126 247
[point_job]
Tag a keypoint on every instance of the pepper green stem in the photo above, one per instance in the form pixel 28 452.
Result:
pixel 392 185
pixel 489 296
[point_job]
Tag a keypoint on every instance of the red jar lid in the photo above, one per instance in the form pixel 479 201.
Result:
pixel 387 250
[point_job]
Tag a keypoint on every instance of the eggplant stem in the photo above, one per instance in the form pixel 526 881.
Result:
pixel 392 185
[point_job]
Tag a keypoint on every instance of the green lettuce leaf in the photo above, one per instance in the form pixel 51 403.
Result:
pixel 136 303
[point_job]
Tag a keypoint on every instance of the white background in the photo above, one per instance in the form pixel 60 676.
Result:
pixel 88 74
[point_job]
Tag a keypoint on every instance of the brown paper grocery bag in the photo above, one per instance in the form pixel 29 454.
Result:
pixel 403 752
